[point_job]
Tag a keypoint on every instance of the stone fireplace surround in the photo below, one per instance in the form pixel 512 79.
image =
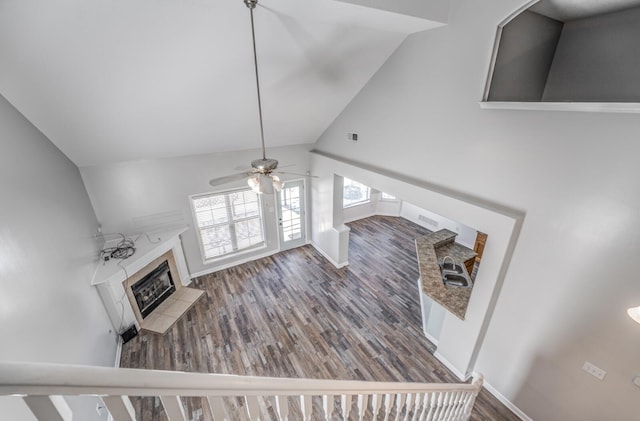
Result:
pixel 114 278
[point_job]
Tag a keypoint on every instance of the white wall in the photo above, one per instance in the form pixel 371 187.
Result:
pixel 574 271
pixel 466 235
pixel 125 192
pixel 374 206
pixel 527 48
pixel 597 60
pixel 49 312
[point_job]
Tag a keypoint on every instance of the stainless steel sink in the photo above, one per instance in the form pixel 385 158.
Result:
pixel 454 274
pixel 450 267
pixel 458 280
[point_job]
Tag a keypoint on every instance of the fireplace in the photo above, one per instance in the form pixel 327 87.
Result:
pixel 155 287
pixel 156 294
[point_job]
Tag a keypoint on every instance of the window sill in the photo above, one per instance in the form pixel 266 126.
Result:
pixel 234 255
pixel 589 107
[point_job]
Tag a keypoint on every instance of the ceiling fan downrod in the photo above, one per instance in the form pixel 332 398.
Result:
pixel 251 4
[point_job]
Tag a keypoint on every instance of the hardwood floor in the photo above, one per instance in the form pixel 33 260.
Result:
pixel 295 315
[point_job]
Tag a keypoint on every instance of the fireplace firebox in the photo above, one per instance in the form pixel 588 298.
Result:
pixel 153 289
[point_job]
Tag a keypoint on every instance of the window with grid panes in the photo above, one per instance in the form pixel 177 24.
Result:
pixel 228 222
pixel 354 193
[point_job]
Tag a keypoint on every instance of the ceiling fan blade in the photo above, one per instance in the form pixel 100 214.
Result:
pixel 228 178
pixel 295 173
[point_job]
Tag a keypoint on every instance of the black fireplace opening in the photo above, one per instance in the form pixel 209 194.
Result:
pixel 153 289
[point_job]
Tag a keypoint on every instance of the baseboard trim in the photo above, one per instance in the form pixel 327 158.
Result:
pixel 506 402
pixel 326 256
pixel 451 367
pixel 232 264
pixel 431 338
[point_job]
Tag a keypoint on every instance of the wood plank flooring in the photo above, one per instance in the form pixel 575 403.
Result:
pixel 295 315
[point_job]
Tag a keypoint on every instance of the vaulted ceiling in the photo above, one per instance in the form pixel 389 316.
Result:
pixel 120 80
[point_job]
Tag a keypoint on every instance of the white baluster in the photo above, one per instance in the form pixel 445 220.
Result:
pixel 454 412
pixel 468 404
pixel 433 406
pixel 282 406
pixel 363 401
pixel 119 407
pixel 217 408
pixel 376 401
pixel 305 404
pixel 173 408
pixel 346 406
pixel 453 405
pixel 417 406
pixel 463 403
pixel 407 413
pixel 448 396
pixel 49 408
pixel 327 405
pixel 438 412
pixel 424 407
pixel 388 404
pixel 252 409
pixel 400 399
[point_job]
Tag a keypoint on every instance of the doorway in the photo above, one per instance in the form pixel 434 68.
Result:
pixel 291 219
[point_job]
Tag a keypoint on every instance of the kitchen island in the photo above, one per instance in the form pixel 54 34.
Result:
pixel 431 249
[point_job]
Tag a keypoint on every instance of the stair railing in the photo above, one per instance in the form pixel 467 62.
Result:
pixel 42 387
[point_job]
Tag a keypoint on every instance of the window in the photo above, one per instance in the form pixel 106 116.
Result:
pixel 228 222
pixel 386 197
pixel 354 193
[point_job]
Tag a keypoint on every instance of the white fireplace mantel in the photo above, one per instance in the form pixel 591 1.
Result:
pixel 110 275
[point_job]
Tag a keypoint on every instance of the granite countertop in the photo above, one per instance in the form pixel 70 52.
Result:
pixel 431 249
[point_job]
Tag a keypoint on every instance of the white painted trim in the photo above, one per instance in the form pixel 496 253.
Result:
pixel 431 338
pixel 506 402
pixel 326 256
pixel 589 107
pixel 451 367
pixel 234 263
pixel 118 352
pixel 387 214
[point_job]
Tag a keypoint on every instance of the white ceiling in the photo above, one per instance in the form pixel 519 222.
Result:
pixel 564 10
pixel 119 80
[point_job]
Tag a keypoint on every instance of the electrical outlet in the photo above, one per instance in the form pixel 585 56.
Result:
pixel 636 381
pixel 596 372
pixel 352 137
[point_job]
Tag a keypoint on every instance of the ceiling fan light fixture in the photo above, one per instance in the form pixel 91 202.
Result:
pixel 634 313
pixel 277 183
pixel 254 183
pixel 265 184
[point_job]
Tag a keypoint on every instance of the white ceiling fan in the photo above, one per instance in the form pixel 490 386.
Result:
pixel 261 177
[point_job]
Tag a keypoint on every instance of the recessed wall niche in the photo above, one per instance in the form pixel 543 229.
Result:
pixel 562 52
